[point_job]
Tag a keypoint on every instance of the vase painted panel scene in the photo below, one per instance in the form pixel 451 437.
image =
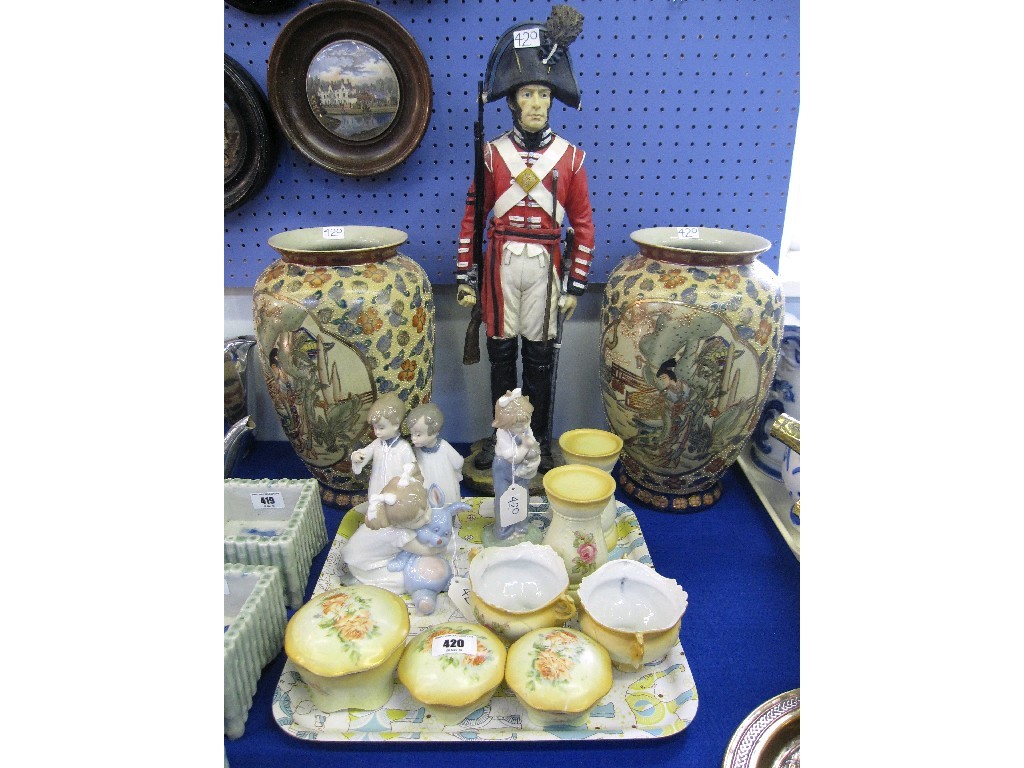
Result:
pixel 680 386
pixel 353 90
pixel 334 339
pixel 322 387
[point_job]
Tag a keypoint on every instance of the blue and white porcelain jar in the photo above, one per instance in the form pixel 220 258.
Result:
pixel 786 430
pixel 791 479
pixel 767 452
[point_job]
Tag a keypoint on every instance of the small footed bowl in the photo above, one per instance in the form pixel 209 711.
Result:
pixel 594 447
pixel 632 611
pixel 516 589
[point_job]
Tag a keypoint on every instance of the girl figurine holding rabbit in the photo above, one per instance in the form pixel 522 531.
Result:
pixel 516 461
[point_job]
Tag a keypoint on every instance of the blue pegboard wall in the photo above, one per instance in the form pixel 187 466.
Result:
pixel 689 116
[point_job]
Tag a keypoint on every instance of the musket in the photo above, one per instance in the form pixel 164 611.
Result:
pixel 551 266
pixel 570 238
pixel 570 242
pixel 471 347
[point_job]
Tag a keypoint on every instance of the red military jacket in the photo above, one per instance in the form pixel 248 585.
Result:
pixel 518 215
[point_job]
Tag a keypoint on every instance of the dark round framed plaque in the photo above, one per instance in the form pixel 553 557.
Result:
pixel 349 87
pixel 263 7
pixel 250 146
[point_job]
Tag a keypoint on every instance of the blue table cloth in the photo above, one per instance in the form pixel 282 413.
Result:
pixel 740 633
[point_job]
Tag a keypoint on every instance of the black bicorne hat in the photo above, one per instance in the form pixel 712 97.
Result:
pixel 547 63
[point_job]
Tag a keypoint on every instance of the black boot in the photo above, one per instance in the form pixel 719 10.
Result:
pixel 502 354
pixel 538 357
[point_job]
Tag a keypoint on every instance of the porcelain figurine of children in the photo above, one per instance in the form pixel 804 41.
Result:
pixel 392 518
pixel 516 459
pixel 440 464
pixel 407 548
pixel 388 451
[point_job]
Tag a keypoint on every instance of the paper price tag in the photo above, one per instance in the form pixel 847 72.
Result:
pixel 272 500
pixel 447 644
pixel 687 233
pixel 512 507
pixel 526 38
pixel 334 233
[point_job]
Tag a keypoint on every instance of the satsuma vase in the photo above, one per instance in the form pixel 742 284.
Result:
pixel 341 318
pixel 691 330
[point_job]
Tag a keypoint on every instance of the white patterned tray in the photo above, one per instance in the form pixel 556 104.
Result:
pixel 657 701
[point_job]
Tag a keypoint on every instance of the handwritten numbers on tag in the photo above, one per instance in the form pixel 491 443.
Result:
pixel 512 507
pixel 269 500
pixel 526 38
pixel 447 644
pixel 334 233
pixel 688 233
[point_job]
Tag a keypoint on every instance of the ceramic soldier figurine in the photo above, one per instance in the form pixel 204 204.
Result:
pixel 533 182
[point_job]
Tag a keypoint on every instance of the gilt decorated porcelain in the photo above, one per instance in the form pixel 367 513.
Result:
pixel 578 495
pixel 598 448
pixel 558 674
pixel 633 611
pixel 516 589
pixel 346 644
pixel 341 319
pixel 655 702
pixel 691 329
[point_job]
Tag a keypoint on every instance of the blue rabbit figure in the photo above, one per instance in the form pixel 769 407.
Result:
pixel 424 560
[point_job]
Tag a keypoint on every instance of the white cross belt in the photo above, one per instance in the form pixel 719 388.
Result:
pixel 537 192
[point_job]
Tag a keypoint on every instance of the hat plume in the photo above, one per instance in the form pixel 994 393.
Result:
pixel 563 26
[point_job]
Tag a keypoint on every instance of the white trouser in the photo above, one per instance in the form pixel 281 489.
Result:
pixel 524 281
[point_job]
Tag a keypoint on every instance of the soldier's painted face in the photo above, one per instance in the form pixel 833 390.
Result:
pixel 534 103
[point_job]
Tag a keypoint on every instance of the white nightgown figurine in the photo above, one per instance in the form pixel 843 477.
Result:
pixel 388 452
pixel 440 464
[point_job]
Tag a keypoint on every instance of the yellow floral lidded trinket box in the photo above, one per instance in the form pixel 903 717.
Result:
pixel 453 669
pixel 558 674
pixel 346 644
